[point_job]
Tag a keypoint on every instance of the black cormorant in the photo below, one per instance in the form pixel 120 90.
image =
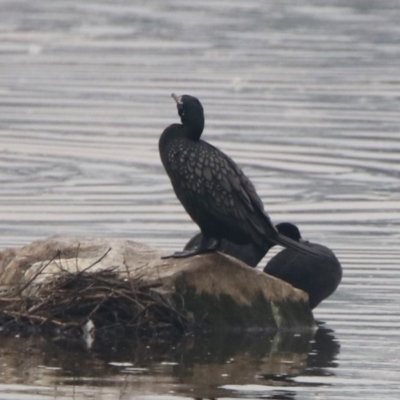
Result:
pixel 212 188
pixel 317 276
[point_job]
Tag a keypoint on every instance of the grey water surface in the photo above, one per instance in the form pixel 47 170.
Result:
pixel 303 94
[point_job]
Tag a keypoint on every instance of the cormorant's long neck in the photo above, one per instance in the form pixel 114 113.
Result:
pixel 193 125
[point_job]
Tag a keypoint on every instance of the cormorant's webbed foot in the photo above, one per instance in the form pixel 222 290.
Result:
pixel 207 245
pixel 189 253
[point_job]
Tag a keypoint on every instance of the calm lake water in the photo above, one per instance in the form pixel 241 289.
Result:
pixel 304 96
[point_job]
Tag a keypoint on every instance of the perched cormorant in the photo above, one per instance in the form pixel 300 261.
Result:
pixel 317 276
pixel 213 189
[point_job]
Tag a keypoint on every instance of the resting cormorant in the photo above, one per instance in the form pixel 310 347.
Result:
pixel 212 188
pixel 317 276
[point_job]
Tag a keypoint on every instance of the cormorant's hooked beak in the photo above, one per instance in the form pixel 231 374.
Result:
pixel 178 99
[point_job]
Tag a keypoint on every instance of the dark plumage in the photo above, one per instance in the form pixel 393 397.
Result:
pixel 248 253
pixel 317 276
pixel 212 188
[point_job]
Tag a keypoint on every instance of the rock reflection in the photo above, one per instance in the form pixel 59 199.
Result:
pixel 197 367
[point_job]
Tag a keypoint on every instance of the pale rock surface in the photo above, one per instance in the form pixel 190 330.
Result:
pixel 213 289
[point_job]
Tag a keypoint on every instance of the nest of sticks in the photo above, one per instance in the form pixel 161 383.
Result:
pixel 69 301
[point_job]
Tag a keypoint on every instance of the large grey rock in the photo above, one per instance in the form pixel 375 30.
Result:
pixel 212 289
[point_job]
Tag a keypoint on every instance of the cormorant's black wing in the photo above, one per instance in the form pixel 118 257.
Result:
pixel 208 182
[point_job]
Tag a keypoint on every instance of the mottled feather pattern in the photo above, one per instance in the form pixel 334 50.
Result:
pixel 201 171
pixel 212 188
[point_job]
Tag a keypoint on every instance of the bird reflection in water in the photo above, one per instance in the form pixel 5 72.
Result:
pixel 322 353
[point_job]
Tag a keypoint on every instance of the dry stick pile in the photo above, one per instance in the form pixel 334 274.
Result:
pixel 70 300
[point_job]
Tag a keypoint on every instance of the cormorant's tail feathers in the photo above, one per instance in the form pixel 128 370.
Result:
pixel 292 244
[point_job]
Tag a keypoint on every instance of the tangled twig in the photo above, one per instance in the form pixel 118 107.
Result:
pixel 70 300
